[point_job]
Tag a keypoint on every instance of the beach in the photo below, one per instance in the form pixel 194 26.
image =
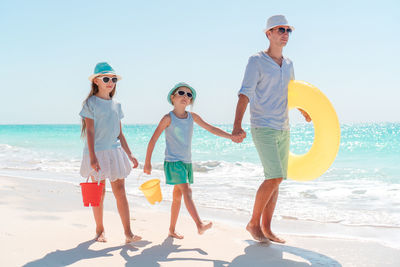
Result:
pixel 44 223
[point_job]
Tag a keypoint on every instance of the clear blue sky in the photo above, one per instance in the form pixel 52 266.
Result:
pixel 348 49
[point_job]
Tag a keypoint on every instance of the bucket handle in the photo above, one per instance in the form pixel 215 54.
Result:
pixel 140 176
pixel 92 173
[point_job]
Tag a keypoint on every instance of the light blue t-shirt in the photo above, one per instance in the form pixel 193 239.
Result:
pixel 178 139
pixel 265 83
pixel 106 115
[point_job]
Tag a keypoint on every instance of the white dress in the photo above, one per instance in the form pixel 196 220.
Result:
pixel 113 161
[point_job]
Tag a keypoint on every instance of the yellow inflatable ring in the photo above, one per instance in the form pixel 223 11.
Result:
pixel 323 151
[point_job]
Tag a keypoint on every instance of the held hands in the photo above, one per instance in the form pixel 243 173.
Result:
pixel 134 161
pixel 305 114
pixel 147 168
pixel 238 134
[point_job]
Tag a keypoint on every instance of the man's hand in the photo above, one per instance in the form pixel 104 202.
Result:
pixel 305 114
pixel 238 134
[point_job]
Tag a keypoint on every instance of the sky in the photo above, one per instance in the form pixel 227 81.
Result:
pixel 348 49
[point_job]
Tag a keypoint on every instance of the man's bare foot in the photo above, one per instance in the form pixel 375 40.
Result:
pixel 133 238
pixel 100 237
pixel 271 236
pixel 204 227
pixel 256 233
pixel 175 235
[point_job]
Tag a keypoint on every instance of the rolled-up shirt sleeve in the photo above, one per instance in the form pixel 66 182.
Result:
pixel 250 79
pixel 292 77
pixel 87 111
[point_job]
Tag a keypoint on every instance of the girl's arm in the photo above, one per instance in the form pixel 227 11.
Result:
pixel 125 147
pixel 90 142
pixel 212 129
pixel 164 123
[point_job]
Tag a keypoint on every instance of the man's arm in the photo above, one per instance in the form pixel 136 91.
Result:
pixel 238 134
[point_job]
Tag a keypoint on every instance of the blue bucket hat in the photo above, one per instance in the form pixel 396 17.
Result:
pixel 103 68
pixel 181 84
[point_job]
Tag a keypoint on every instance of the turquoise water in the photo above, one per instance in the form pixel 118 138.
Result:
pixel 361 187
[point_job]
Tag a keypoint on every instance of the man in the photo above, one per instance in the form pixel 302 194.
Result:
pixel 265 86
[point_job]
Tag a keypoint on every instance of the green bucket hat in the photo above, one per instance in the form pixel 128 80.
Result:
pixel 181 84
pixel 101 69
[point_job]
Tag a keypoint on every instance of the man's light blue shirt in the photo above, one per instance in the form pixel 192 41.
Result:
pixel 265 83
pixel 107 115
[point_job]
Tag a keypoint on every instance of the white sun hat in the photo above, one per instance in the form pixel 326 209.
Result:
pixel 277 20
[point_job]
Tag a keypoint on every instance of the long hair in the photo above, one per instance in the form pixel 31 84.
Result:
pixel 93 91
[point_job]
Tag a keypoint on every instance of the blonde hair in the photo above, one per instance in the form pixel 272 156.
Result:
pixel 93 91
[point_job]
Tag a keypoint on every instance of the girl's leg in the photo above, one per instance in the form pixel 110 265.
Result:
pixel 187 196
pixel 175 207
pixel 118 188
pixel 266 218
pixel 98 217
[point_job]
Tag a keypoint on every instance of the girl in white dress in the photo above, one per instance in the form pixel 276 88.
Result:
pixel 106 153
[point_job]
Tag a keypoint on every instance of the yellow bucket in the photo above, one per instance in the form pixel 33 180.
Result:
pixel 152 191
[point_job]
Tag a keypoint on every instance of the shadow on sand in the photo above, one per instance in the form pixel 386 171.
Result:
pixel 256 254
pixel 271 254
pixel 151 257
pixel 73 255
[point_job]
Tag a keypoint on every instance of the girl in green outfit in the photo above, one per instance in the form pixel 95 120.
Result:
pixel 178 126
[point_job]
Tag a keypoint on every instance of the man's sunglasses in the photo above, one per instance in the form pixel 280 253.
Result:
pixel 182 93
pixel 282 30
pixel 106 79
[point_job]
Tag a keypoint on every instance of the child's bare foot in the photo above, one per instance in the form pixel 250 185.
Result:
pixel 204 226
pixel 271 236
pixel 256 233
pixel 133 238
pixel 100 237
pixel 175 235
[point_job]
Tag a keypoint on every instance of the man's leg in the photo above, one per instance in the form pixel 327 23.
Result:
pixel 263 196
pixel 283 143
pixel 266 218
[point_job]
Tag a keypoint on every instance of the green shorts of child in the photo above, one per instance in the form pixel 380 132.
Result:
pixel 178 172
pixel 273 148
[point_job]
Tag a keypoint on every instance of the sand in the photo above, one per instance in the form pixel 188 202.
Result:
pixel 44 223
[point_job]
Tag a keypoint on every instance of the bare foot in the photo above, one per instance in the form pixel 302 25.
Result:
pixel 175 235
pixel 204 227
pixel 100 237
pixel 271 236
pixel 256 233
pixel 133 238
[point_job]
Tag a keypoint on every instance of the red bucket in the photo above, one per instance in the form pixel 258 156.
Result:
pixel 92 193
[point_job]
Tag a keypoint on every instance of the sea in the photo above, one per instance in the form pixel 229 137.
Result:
pixel 360 189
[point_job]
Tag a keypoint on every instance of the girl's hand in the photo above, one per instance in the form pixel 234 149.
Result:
pixel 147 168
pixel 134 161
pixel 95 164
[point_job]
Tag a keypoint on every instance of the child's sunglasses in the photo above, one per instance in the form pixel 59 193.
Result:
pixel 182 93
pixel 106 79
pixel 282 30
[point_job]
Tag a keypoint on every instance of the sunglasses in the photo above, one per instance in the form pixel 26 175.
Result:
pixel 106 79
pixel 182 93
pixel 282 30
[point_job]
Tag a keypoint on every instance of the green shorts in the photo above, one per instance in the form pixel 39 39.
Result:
pixel 273 148
pixel 178 172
